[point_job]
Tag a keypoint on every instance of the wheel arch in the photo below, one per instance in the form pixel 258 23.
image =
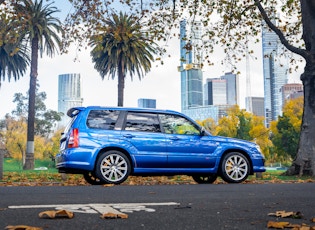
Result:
pixel 237 151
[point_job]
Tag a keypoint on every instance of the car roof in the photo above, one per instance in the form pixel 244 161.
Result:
pixel 75 110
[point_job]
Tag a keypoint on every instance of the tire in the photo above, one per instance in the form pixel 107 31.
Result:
pixel 92 179
pixel 234 168
pixel 209 179
pixel 113 167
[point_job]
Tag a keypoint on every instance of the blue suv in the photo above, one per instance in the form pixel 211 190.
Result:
pixel 107 144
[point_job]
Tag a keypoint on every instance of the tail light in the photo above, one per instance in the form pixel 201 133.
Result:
pixel 74 139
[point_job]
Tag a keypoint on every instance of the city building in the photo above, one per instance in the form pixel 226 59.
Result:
pixel 256 105
pixel 190 65
pixel 232 88
pixel 291 90
pixel 69 94
pixel 215 91
pixel 218 94
pixel 275 74
pixel 146 103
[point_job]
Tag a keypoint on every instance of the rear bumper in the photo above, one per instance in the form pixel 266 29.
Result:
pixel 76 159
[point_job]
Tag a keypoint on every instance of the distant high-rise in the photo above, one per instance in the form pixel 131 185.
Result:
pixel 215 91
pixel 146 103
pixel 275 74
pixel 190 65
pixel 257 105
pixel 232 88
pixel 69 94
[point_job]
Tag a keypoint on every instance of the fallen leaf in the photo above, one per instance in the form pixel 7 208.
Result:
pixel 108 185
pixel 278 225
pixel 284 214
pixel 109 215
pixel 22 227
pixel 56 214
pixel 304 228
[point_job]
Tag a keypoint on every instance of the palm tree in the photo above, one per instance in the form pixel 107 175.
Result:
pixel 121 46
pixel 42 30
pixel 14 56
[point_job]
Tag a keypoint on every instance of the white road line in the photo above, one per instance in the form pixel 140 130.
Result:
pixel 99 208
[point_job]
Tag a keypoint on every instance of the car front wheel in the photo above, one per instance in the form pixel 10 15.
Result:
pixel 234 168
pixel 209 179
pixel 113 167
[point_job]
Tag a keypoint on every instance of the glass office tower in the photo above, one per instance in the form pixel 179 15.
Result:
pixel 69 94
pixel 275 74
pixel 190 65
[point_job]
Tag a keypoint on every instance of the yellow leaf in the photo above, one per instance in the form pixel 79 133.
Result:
pixel 285 214
pixel 305 228
pixel 109 215
pixel 278 225
pixel 22 227
pixel 56 214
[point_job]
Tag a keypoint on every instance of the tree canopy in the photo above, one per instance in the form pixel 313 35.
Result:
pixel 121 47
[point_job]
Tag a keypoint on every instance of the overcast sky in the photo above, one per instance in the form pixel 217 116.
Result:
pixel 162 83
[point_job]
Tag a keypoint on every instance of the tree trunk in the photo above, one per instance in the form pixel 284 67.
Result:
pixel 121 84
pixel 29 158
pixel 304 162
pixel 1 163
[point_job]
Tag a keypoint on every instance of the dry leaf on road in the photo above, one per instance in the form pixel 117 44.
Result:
pixel 109 215
pixel 22 227
pixel 284 214
pixel 56 214
pixel 278 225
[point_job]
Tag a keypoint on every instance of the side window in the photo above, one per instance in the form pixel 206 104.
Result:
pixel 102 119
pixel 173 124
pixel 144 122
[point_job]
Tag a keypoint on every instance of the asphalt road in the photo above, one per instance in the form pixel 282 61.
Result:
pixel 163 207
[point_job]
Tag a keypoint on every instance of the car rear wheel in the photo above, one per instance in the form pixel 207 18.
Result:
pixel 235 168
pixel 209 179
pixel 113 167
pixel 92 179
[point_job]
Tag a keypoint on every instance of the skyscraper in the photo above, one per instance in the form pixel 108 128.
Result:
pixel 190 65
pixel 69 94
pixel 232 88
pixel 275 74
pixel 215 91
pixel 256 104
pixel 146 103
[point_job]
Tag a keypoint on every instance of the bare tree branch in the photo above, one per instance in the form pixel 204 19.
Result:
pixel 281 36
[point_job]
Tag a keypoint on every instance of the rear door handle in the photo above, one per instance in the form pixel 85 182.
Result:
pixel 174 138
pixel 128 135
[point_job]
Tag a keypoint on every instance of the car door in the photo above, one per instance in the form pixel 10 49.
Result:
pixel 186 146
pixel 142 130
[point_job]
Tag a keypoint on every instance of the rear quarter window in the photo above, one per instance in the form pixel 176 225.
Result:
pixel 102 119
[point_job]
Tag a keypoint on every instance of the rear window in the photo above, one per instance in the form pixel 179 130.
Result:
pixel 102 119
pixel 143 122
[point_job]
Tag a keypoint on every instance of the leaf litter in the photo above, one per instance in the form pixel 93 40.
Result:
pixel 288 225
